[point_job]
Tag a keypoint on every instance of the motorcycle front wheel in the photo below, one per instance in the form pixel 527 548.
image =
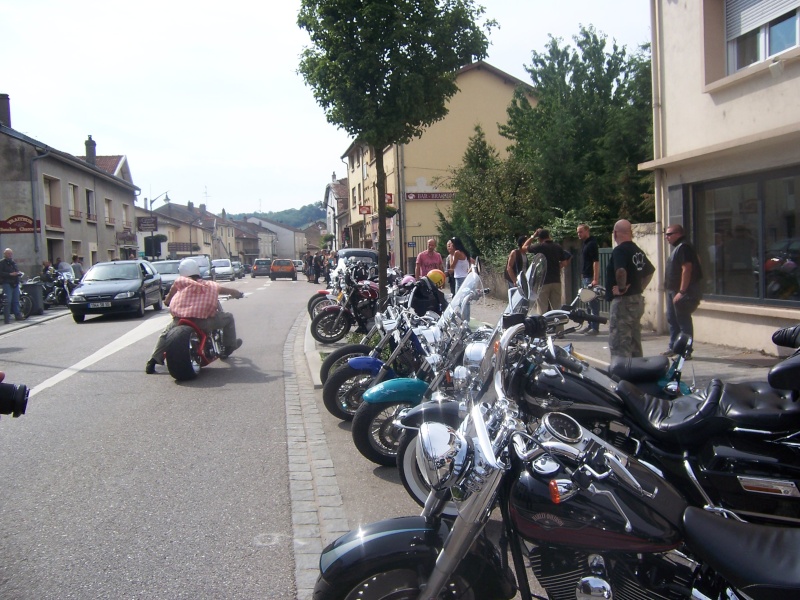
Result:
pixel 400 582
pixel 343 391
pixel 25 305
pixel 183 353
pixel 411 476
pixel 375 434
pixel 339 357
pixel 330 327
pixel 314 300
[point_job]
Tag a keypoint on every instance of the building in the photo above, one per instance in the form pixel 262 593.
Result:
pixel 726 86
pixel 289 242
pixel 415 171
pixel 54 204
pixel 337 214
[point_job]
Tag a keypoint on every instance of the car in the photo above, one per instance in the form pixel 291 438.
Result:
pixel 238 268
pixel 248 268
pixel 223 269
pixel 282 267
pixel 365 255
pixel 204 263
pixel 261 267
pixel 168 269
pixel 114 287
pixel 299 266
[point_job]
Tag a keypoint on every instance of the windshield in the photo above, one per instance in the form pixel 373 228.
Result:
pixel 529 284
pixel 111 272
pixel 221 263
pixel 167 268
pixel 471 289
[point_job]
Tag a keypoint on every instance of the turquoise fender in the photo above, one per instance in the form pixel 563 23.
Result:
pixel 403 389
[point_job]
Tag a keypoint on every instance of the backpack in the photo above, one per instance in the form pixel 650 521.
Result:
pixel 427 297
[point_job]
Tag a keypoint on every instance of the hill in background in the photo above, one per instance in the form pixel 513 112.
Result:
pixel 299 218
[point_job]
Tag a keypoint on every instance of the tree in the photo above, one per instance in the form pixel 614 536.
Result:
pixel 383 71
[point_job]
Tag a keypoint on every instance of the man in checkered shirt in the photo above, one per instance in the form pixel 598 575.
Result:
pixel 192 297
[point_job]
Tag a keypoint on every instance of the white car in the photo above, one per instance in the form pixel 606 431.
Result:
pixel 223 269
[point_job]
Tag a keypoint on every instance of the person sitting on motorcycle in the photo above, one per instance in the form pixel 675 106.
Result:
pixel 192 297
pixel 48 272
pixel 428 294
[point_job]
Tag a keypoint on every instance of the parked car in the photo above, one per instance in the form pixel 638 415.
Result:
pixel 168 269
pixel 299 266
pixel 248 268
pixel 282 267
pixel 122 286
pixel 238 268
pixel 261 267
pixel 223 269
pixel 204 262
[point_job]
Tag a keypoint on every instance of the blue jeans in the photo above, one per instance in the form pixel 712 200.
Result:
pixel 12 302
pixel 465 312
pixel 679 318
pixel 593 306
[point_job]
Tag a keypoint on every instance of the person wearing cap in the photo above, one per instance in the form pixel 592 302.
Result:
pixel 557 258
pixel 192 297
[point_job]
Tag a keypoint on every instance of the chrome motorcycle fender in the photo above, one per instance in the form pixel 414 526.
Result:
pixel 368 363
pixel 402 389
pixel 439 412
pixel 384 544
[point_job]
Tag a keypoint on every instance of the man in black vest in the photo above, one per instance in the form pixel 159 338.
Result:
pixel 590 272
pixel 683 285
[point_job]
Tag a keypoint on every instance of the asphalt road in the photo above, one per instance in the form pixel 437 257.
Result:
pixel 116 484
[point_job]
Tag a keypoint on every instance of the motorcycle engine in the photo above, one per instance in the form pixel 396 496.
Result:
pixel 366 309
pixel 668 576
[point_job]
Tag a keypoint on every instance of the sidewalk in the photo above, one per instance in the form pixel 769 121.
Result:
pixel 49 314
pixel 709 360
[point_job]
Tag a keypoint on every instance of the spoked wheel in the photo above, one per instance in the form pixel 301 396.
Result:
pixel 375 433
pixel 410 475
pixel 400 581
pixel 25 305
pixel 339 357
pixel 326 301
pixel 343 391
pixel 183 353
pixel 330 327
pixel 314 300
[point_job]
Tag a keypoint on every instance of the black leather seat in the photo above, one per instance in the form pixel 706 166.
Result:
pixel 761 561
pixel 643 368
pixel 757 405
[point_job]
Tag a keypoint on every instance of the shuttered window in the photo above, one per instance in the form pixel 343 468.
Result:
pixel 758 29
pixel 742 16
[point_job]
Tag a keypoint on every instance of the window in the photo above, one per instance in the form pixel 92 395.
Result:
pixel 758 29
pixel 72 200
pixel 747 237
pixel 91 210
pixel 109 212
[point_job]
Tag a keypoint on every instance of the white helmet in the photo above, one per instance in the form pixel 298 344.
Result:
pixel 188 267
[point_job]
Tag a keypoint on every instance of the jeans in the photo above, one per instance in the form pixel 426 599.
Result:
pixel 465 311
pixel 593 306
pixel 12 302
pixel 679 318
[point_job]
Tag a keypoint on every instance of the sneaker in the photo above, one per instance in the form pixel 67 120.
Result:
pixel 591 332
pixel 668 353
pixel 150 368
pixel 19 317
pixel 226 351
pixel 687 357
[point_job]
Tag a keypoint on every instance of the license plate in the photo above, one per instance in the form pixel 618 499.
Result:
pixel 99 304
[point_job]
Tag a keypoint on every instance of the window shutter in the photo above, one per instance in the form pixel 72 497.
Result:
pixel 742 16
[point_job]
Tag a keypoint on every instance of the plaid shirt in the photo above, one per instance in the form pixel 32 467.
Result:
pixel 197 299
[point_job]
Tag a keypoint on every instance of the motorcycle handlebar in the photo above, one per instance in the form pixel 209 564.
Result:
pixel 579 315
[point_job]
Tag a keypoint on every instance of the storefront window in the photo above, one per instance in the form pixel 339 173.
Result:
pixel 747 238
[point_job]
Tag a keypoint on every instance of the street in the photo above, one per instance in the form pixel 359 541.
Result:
pixel 117 484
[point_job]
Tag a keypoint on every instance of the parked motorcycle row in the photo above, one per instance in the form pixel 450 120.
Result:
pixel 624 483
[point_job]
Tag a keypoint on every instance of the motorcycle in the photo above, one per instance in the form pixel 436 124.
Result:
pixel 358 306
pixel 25 301
pixel 189 349
pixel 60 288
pixel 590 520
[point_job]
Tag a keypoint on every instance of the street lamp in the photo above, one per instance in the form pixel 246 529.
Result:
pixel 152 241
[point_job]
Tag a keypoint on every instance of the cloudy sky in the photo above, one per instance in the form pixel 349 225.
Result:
pixel 204 98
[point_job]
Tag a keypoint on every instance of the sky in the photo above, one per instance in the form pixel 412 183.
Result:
pixel 204 97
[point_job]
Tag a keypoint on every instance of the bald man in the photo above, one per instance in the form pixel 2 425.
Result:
pixel 627 275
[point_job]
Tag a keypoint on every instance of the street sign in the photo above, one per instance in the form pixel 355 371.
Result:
pixel 412 244
pixel 389 198
pixel 365 210
pixel 146 223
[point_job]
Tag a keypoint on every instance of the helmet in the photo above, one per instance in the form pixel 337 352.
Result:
pixel 437 278
pixel 188 267
pixel 407 280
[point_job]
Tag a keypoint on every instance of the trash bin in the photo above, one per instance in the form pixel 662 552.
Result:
pixel 34 290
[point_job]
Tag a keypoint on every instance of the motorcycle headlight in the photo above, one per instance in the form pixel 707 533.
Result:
pixel 441 454
pixel 473 355
pixel 461 378
pixel 124 295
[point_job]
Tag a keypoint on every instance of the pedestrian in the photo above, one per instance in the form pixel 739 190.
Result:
pixel 459 261
pixel 517 262
pixel 77 267
pixel 63 266
pixel 450 278
pixel 319 261
pixel 428 260
pixel 590 273
pixel 9 278
pixel 627 275
pixel 557 258
pixel 309 262
pixel 683 285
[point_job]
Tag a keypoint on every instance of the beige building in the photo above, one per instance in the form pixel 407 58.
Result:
pixel 416 172
pixel 726 84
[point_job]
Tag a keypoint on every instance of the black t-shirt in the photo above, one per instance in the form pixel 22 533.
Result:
pixel 681 254
pixel 553 254
pixel 590 253
pixel 637 266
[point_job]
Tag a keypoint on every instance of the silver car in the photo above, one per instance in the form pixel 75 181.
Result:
pixel 223 269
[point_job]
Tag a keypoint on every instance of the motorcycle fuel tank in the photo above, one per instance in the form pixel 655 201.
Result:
pixel 592 522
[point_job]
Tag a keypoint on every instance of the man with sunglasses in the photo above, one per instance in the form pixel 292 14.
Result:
pixel 683 285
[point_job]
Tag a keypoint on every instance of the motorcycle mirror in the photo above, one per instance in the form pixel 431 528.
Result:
pixel 478 266
pixel 587 294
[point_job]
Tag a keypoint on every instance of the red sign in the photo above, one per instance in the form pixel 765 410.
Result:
pixel 389 198
pixel 430 195
pixel 19 224
pixel 365 210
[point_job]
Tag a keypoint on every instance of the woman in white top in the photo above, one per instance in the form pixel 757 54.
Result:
pixel 459 260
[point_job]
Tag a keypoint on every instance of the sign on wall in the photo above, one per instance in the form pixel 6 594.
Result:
pixel 20 224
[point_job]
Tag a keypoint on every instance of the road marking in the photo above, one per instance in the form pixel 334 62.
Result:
pixel 147 328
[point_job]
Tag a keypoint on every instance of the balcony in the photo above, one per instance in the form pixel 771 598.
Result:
pixel 92 218
pixel 52 216
pixel 110 221
pixel 76 215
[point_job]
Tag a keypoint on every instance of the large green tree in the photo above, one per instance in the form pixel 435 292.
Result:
pixel 383 71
